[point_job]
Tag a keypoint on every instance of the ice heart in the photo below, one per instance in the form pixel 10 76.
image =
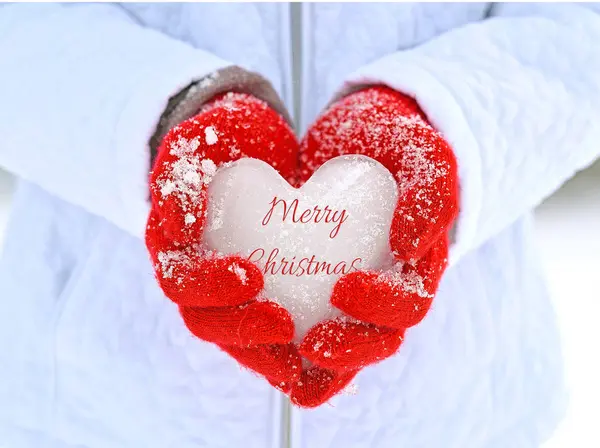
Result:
pixel 303 239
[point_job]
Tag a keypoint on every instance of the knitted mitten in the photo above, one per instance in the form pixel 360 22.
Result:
pixel 387 126
pixel 217 295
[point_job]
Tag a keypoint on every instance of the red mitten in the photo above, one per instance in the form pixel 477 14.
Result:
pixel 217 295
pixel 389 127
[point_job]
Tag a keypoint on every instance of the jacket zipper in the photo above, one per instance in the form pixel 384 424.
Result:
pixel 297 51
pixel 295 102
pixel 286 422
pixel 291 39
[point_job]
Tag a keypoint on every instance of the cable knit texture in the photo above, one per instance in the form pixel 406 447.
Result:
pixel 217 295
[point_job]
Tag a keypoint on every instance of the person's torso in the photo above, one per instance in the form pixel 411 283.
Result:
pixel 117 368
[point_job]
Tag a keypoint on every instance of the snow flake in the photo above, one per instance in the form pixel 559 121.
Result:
pixel 189 219
pixel 208 168
pixel 240 272
pixel 167 261
pixel 410 281
pixel 210 135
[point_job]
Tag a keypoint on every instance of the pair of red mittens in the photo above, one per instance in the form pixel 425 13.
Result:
pixel 217 295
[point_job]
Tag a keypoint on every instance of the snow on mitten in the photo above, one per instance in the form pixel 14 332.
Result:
pixel 389 127
pixel 217 295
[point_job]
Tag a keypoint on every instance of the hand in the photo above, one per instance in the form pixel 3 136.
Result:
pixel 389 127
pixel 217 295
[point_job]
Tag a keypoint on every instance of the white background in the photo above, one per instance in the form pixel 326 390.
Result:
pixel 568 231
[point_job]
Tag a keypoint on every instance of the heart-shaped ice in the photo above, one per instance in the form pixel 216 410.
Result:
pixel 303 239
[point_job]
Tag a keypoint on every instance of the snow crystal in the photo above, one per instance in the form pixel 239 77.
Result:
pixel 168 260
pixel 191 177
pixel 418 167
pixel 210 135
pixel 167 188
pixel 240 272
pixel 184 147
pixel 410 281
pixel 186 176
pixel 209 168
pixel 190 219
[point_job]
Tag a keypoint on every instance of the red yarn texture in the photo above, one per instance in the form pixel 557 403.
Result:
pixel 389 127
pixel 217 296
